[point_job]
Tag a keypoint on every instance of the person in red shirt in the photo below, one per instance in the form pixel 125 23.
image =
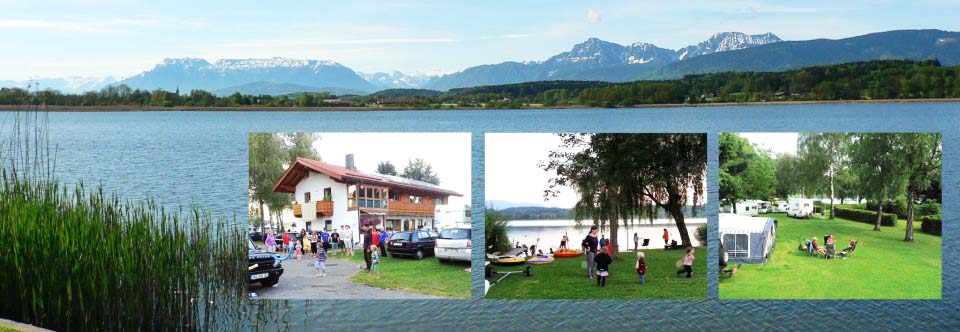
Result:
pixel 376 236
pixel 666 237
pixel 286 240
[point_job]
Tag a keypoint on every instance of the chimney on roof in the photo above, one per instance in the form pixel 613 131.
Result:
pixel 349 163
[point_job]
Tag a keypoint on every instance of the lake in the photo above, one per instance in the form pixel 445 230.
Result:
pixel 186 158
pixel 548 233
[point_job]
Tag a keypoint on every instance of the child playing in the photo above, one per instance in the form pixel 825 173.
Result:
pixel 321 264
pixel 375 260
pixel 687 263
pixel 603 261
pixel 298 251
pixel 641 266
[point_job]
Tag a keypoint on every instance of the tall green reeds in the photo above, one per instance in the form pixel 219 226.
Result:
pixel 75 260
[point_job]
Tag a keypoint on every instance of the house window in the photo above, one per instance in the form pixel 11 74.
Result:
pixel 327 194
pixel 372 197
pixel 306 197
pixel 416 199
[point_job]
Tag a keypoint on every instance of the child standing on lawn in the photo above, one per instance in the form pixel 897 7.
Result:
pixel 321 264
pixel 603 261
pixel 641 266
pixel 375 260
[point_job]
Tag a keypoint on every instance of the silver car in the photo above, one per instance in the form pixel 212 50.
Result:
pixel 453 244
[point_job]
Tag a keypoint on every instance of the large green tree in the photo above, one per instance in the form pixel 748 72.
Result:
pixel 269 154
pixel 620 177
pixel 419 169
pixel 386 168
pixel 735 153
pixel 266 159
pixel 922 159
pixel 745 171
pixel 824 156
pixel 877 160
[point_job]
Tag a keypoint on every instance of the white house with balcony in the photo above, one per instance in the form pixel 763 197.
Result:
pixel 328 196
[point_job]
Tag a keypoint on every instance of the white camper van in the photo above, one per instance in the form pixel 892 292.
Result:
pixel 800 207
pixel 764 207
pixel 744 208
pixel 780 206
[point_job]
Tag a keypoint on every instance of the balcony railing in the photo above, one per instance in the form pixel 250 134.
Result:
pixel 407 208
pixel 324 209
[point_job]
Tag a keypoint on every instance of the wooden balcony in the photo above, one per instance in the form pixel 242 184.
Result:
pixel 411 209
pixel 324 209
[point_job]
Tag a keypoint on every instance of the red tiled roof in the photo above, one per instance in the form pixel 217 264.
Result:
pixel 292 176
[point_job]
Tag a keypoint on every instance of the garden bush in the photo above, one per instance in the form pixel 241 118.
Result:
pixel 702 234
pixel 929 209
pixel 932 224
pixel 866 216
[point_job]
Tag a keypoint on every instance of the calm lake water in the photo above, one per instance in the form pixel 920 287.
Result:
pixel 548 233
pixel 184 158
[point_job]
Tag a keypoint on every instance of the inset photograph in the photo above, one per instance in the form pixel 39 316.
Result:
pixel 595 216
pixel 830 216
pixel 359 215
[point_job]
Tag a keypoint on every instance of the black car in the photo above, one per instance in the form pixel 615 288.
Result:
pixel 412 243
pixel 268 269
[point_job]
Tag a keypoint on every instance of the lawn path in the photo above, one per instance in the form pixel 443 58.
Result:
pixel 299 282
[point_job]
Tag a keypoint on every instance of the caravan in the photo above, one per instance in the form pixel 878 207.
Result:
pixel 764 207
pixel 747 240
pixel 780 206
pixel 745 208
pixel 800 207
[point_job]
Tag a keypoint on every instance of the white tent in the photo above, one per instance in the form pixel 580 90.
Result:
pixel 747 240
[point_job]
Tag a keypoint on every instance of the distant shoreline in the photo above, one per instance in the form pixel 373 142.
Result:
pixel 119 108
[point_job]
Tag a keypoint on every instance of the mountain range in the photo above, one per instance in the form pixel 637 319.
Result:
pixel 598 60
pixel 186 74
pixel 591 60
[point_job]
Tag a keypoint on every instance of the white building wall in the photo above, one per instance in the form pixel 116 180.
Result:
pixel 315 183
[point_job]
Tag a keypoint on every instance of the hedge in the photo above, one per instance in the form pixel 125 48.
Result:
pixel 866 216
pixel 899 207
pixel 932 224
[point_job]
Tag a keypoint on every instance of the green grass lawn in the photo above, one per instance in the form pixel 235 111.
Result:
pixel 565 278
pixel 883 266
pixel 427 276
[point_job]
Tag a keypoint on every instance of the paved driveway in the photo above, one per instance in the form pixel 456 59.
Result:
pixel 299 282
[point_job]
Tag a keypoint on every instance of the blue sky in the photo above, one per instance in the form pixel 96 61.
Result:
pixel 122 38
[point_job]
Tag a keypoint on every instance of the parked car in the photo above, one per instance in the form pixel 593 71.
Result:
pixel 268 268
pixel 453 244
pixel 417 244
pixel 256 236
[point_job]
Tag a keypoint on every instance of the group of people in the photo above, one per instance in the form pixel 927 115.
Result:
pixel 829 247
pixel 599 256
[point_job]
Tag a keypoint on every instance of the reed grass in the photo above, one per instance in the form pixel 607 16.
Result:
pixel 74 259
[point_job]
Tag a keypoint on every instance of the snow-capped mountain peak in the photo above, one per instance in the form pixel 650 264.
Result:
pixel 727 41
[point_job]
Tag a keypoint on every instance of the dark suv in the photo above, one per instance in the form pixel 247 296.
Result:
pixel 412 243
pixel 268 269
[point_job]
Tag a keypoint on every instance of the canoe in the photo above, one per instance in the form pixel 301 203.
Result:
pixel 540 260
pixel 567 253
pixel 508 261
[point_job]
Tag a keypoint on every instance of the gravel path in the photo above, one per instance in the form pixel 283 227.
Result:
pixel 299 282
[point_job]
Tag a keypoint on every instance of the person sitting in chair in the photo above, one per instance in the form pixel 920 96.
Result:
pixel 815 247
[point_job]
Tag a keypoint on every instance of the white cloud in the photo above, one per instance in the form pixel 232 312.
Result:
pixel 91 25
pixel 333 42
pixel 507 36
pixel 593 15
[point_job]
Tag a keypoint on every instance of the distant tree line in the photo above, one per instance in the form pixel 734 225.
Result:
pixel 122 95
pixel 879 79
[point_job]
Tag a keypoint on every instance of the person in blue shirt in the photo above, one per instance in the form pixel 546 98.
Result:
pixel 325 238
pixel 383 241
